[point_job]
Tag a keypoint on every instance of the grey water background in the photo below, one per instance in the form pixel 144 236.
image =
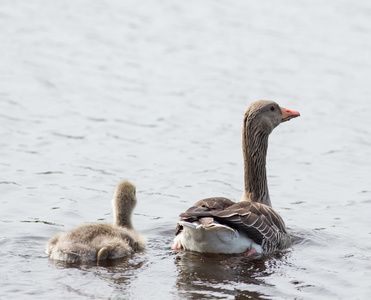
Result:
pixel 93 92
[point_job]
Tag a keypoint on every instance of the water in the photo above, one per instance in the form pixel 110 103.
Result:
pixel 93 92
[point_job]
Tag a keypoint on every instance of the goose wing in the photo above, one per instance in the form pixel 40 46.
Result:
pixel 257 221
pixel 198 210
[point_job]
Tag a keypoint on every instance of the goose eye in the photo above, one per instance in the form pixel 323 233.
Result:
pixel 272 108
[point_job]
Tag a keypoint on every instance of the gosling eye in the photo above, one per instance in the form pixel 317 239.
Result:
pixel 273 108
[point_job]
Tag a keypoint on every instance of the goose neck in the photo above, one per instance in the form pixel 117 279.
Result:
pixel 255 146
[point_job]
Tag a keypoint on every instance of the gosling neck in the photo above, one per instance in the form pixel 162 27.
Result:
pixel 122 210
pixel 122 219
pixel 254 148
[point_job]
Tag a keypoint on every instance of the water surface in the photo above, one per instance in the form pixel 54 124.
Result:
pixel 94 92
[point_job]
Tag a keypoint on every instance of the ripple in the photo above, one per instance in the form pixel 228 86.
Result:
pixel 37 220
pixel 74 137
pixel 9 182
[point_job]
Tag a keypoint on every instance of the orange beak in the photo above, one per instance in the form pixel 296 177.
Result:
pixel 288 114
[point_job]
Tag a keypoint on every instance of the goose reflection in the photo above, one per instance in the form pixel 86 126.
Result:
pixel 222 274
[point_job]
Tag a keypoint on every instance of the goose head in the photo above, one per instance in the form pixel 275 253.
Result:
pixel 264 115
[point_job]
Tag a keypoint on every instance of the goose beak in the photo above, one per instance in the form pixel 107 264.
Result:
pixel 288 114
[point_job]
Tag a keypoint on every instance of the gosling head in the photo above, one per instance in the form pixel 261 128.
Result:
pixel 123 204
pixel 266 115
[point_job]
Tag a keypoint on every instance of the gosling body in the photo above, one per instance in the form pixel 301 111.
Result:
pixel 100 241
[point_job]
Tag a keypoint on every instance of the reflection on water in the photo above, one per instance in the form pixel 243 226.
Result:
pixel 220 275
pixel 217 275
pixel 117 273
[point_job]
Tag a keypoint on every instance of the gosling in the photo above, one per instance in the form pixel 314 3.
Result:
pixel 101 241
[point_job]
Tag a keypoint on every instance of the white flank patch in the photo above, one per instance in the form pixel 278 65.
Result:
pixel 217 238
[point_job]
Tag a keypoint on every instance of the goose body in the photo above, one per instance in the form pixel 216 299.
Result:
pixel 206 234
pixel 219 225
pixel 101 241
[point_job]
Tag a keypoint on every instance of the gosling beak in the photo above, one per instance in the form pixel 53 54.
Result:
pixel 288 114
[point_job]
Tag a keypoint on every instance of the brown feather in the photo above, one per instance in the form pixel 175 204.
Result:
pixel 257 221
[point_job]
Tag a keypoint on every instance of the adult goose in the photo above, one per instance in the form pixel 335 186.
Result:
pixel 219 225
pixel 101 241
